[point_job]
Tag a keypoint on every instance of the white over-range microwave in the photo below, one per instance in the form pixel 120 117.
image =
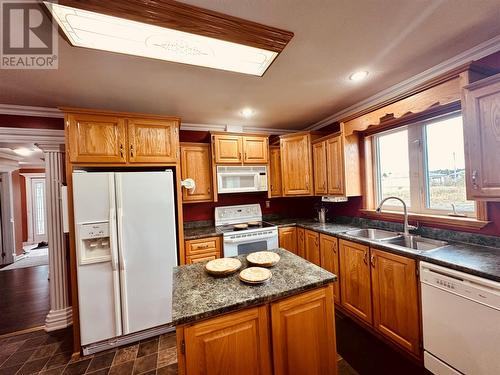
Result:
pixel 241 179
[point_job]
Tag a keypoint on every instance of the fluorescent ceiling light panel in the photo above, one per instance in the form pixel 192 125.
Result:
pixel 99 31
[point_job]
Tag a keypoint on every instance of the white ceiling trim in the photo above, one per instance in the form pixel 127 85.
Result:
pixel 478 52
pixel 22 110
pixel 31 135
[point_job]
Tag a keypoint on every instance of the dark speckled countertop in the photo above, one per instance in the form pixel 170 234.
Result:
pixel 482 261
pixel 197 295
pixel 195 233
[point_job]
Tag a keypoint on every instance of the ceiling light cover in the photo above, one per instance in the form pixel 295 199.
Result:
pixel 23 151
pixel 358 76
pixel 247 112
pixel 99 31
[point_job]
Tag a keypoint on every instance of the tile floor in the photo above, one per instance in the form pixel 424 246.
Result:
pixel 50 354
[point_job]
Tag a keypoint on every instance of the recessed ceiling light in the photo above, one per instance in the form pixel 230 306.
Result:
pixel 247 112
pixel 85 28
pixel 358 76
pixel 23 151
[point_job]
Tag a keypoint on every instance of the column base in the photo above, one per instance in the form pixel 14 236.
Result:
pixel 58 319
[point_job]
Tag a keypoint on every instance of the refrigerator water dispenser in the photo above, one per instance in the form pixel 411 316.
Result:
pixel 95 243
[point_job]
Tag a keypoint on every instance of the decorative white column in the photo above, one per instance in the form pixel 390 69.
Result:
pixel 60 314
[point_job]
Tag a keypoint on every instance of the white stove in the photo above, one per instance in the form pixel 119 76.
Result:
pixel 243 230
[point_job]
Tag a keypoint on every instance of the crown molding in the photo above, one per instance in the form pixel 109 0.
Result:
pixel 22 110
pixel 223 128
pixel 475 53
pixel 31 135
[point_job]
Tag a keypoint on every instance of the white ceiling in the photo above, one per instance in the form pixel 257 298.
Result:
pixel 393 39
pixel 35 159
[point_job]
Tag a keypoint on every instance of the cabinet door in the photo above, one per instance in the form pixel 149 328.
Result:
pixel 275 171
pixel 355 285
pixel 312 247
pixel 235 343
pixel 328 248
pixel 288 239
pixel 482 139
pixel 195 164
pixel 203 245
pixel 335 172
pixel 255 150
pixel 320 168
pixel 296 165
pixel 303 334
pixel 395 299
pixel 301 244
pixel 153 141
pixel 204 257
pixel 96 139
pixel 228 148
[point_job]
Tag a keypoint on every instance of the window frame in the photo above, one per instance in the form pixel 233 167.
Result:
pixel 417 154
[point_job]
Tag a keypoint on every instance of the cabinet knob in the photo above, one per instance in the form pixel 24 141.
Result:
pixel 121 150
pixel 474 179
pixel 365 257
pixel 132 150
pixel 372 260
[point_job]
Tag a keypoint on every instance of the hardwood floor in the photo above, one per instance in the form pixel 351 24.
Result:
pixel 24 298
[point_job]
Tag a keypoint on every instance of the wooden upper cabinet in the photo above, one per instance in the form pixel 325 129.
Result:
pixel 242 337
pixel 96 139
pixel 275 171
pixel 355 283
pixel 328 248
pixel 296 165
pixel 153 141
pixel 335 175
pixel 195 164
pixel 288 239
pixel 303 334
pixel 395 299
pixel 319 168
pixel 238 149
pixel 482 138
pixel 311 241
pixel 255 150
pixel 301 245
pixel 227 148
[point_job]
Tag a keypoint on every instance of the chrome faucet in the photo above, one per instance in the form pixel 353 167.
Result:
pixel 406 227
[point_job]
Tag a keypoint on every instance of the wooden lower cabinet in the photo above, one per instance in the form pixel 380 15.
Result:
pixel 288 239
pixel 202 249
pixel 236 343
pixel 295 334
pixel 328 248
pixel 355 282
pixel 301 245
pixel 395 299
pixel 312 247
pixel 303 334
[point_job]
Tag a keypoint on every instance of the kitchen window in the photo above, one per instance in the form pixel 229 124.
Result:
pixel 423 164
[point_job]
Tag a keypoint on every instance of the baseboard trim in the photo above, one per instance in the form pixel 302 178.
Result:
pixel 58 319
pixel 22 332
pixel 18 257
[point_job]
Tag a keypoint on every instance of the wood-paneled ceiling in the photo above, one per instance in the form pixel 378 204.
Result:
pixel 392 39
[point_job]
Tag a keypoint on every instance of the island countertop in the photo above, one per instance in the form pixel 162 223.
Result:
pixel 197 295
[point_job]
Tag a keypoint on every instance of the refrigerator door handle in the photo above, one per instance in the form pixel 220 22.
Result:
pixel 123 265
pixel 114 257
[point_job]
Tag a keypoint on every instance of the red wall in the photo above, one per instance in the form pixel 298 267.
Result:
pixel 14 121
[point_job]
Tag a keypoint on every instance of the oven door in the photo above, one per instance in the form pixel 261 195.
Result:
pixel 234 248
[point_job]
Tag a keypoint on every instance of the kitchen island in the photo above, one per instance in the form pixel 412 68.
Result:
pixel 284 326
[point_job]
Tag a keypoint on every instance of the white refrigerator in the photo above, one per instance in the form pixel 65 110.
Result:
pixel 126 248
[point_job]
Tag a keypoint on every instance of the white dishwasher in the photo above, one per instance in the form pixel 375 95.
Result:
pixel 461 322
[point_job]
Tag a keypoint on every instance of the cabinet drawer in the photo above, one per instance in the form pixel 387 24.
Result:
pixel 203 245
pixel 191 259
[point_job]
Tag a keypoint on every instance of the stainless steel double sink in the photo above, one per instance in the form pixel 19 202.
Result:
pixel 393 238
